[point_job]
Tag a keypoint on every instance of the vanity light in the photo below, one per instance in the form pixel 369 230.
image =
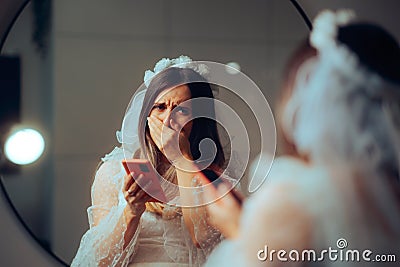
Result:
pixel 24 146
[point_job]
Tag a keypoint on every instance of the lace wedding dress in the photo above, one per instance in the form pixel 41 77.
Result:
pixel 160 240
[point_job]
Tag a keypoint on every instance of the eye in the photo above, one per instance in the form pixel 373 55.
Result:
pixel 182 110
pixel 159 107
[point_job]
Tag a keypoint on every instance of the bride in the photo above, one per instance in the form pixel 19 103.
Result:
pixel 336 188
pixel 127 225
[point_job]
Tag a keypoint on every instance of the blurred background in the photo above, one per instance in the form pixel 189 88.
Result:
pixel 76 65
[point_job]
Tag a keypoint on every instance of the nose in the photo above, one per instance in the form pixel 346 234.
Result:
pixel 167 118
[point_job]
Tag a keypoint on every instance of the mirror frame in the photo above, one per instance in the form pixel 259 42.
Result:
pixel 18 8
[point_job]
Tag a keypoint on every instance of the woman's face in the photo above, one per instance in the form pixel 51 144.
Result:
pixel 173 110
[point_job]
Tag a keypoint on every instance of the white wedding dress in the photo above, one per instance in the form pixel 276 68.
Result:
pixel 336 206
pixel 160 240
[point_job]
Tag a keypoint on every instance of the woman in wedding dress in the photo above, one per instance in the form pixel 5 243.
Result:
pixel 128 227
pixel 335 191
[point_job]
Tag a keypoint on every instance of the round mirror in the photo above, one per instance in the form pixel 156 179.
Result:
pixel 81 61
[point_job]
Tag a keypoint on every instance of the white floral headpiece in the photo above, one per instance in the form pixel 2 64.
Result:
pixel 179 62
pixel 324 38
pixel 334 87
pixel 326 24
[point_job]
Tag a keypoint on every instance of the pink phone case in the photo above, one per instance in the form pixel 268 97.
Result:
pixel 151 183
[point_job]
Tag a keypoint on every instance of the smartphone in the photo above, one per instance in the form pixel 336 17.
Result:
pixel 151 183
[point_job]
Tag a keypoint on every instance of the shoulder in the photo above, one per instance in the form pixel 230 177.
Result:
pixel 283 181
pixel 277 221
pixel 294 180
pixel 110 172
pixel 282 196
pixel 108 168
pixel 281 210
pixel 112 162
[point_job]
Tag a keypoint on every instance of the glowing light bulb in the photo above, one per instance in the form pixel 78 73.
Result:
pixel 24 146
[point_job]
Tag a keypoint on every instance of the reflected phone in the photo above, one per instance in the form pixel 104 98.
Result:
pixel 151 183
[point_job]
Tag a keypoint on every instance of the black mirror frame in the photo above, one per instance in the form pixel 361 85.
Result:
pixel 4 35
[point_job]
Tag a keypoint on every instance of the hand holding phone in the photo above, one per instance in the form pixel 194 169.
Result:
pixel 150 182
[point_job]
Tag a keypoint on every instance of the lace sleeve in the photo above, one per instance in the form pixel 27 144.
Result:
pixel 207 236
pixel 103 243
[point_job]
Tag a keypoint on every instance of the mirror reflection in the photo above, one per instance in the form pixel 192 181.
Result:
pixel 78 77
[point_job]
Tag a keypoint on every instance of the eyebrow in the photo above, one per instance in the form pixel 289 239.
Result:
pixel 174 104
